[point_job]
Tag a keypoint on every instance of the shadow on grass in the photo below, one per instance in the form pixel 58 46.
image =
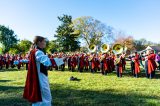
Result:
pixel 64 95
pixel 9 88
pixel 12 96
pixel 67 96
pixel 5 80
pixel 12 69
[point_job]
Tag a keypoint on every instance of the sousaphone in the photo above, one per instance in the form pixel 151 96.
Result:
pixel 92 48
pixel 117 48
pixel 104 48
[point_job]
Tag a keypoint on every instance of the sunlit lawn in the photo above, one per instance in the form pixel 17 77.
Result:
pixel 90 90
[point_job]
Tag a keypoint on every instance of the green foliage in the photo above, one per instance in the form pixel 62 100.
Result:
pixel 22 47
pixel 14 50
pixel 7 37
pixel 141 44
pixel 52 47
pixel 66 38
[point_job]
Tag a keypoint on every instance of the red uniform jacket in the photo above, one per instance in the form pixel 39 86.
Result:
pixel 73 61
pixel 105 65
pixel 54 65
pixel 151 63
pixel 81 61
pixel 97 63
pixel 86 61
pixel 136 62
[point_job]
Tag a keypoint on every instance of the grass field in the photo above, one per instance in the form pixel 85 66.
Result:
pixel 90 90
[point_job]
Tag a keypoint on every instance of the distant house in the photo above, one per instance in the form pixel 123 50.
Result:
pixel 155 48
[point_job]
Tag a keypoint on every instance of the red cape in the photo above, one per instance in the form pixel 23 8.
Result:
pixel 32 88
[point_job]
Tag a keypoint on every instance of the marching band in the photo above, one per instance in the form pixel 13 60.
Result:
pixel 103 62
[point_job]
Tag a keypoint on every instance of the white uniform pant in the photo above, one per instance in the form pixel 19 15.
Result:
pixel 45 91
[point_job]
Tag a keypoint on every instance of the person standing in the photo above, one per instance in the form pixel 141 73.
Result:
pixel 86 63
pixel 7 60
pixel 131 57
pixel 104 64
pixel 151 64
pixel 158 60
pixel 137 65
pixel 118 65
pixel 1 62
pixel 37 90
pixel 81 63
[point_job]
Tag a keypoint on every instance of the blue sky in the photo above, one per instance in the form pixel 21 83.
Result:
pixel 139 18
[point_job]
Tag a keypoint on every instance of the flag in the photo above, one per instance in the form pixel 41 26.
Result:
pixel 59 61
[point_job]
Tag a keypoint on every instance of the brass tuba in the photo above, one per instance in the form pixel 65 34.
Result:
pixel 117 48
pixel 92 48
pixel 104 48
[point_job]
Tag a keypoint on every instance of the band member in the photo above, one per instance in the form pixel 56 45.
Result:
pixel 132 64
pixel 104 64
pixel 62 67
pixel 158 60
pixel 1 62
pixel 86 62
pixel 97 63
pixel 19 58
pixel 112 59
pixel 151 64
pixel 118 64
pixel 137 65
pixel 123 61
pixel 141 59
pixel 54 65
pixel 7 60
pixel 37 88
pixel 26 60
pixel 12 61
pixel 109 63
pixel 92 63
pixel 69 62
pixel 81 63
pixel 146 65
pixel 73 62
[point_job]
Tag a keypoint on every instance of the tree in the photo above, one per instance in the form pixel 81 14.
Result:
pixel 91 30
pixel 124 40
pixel 7 37
pixel 142 43
pixel 66 38
pixel 22 47
pixel 52 47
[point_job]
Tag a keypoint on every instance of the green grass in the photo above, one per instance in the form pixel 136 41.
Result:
pixel 91 90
